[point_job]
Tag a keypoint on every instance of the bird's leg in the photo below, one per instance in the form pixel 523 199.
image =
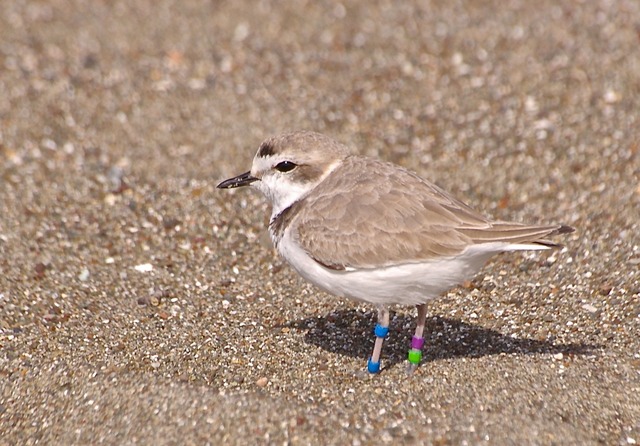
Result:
pixel 415 352
pixel 381 331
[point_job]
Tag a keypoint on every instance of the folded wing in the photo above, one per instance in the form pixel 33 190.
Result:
pixel 395 217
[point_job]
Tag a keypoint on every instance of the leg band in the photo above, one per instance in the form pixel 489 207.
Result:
pixel 381 331
pixel 373 367
pixel 415 356
pixel 417 343
pixel 415 353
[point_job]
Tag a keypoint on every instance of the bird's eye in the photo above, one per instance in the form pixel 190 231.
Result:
pixel 285 166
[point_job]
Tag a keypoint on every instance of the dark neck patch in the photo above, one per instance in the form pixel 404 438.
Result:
pixel 281 221
pixel 265 150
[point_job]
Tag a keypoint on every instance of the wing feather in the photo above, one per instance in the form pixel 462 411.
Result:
pixel 393 217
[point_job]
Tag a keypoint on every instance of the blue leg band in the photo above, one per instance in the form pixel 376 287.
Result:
pixel 381 331
pixel 373 367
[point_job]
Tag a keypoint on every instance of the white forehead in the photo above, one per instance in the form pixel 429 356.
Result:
pixel 262 164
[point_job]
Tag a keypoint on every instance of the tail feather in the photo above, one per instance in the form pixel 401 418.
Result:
pixel 517 235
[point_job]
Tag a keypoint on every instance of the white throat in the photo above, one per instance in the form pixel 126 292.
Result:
pixel 281 192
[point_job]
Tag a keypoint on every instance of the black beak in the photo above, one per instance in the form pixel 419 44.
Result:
pixel 244 179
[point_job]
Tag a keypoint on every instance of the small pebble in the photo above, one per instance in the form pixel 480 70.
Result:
pixel 84 275
pixel 144 267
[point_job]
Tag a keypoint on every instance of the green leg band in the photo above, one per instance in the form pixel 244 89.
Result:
pixel 415 356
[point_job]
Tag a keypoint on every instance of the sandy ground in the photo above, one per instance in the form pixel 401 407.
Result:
pixel 140 305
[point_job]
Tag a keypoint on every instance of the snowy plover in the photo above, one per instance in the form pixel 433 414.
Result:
pixel 373 231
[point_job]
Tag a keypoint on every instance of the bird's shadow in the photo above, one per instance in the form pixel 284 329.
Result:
pixel 350 333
